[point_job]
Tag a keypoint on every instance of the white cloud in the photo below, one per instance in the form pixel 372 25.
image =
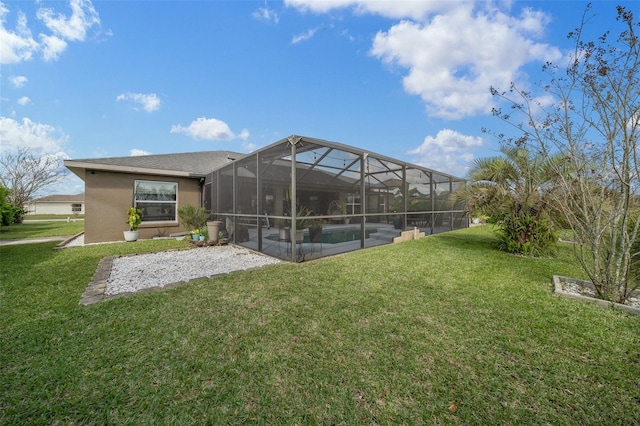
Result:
pixel 244 134
pixel 68 184
pixel 15 46
pixel 44 141
pixel 149 102
pixel 449 151
pixel 52 47
pixel 452 70
pixel 534 21
pixel 452 51
pixel 304 36
pixel 41 138
pixel 345 34
pixel 249 147
pixel 18 80
pixel 389 9
pixel 135 152
pixel 24 100
pixel 73 28
pixel 209 129
pixel 19 45
pixel 266 14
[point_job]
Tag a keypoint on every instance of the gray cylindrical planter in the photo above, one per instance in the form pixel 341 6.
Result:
pixel 284 234
pixel 214 227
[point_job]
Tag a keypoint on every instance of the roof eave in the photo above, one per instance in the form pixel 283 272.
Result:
pixel 79 168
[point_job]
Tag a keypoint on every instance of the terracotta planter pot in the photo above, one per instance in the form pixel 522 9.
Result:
pixel 214 227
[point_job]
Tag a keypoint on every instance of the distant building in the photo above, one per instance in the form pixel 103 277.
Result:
pixel 57 204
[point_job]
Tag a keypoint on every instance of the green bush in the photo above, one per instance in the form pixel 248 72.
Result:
pixel 526 234
pixel 9 212
pixel 192 217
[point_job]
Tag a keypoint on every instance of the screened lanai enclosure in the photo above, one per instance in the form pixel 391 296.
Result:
pixel 303 198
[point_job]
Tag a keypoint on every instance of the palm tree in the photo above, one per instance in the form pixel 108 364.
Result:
pixel 513 189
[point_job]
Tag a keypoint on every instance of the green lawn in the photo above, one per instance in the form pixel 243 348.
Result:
pixel 41 229
pixel 52 216
pixel 443 330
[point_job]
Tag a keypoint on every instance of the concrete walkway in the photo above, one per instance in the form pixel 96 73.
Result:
pixel 18 241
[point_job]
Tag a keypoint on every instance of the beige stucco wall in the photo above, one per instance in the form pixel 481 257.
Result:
pixel 109 195
pixel 53 207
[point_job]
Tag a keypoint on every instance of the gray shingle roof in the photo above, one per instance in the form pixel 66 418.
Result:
pixel 187 163
pixel 61 198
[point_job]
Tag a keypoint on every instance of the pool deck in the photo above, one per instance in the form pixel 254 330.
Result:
pixel 384 234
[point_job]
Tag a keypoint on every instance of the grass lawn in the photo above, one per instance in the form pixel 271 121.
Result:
pixel 41 229
pixel 53 216
pixel 442 330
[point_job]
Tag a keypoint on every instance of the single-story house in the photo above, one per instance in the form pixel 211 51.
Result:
pixel 57 204
pixel 360 199
pixel 158 184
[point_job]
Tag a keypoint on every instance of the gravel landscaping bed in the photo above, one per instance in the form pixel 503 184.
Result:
pixel 133 273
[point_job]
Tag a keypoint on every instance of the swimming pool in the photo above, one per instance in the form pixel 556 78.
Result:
pixel 334 236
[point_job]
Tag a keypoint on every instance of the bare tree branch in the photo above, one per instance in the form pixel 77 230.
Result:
pixel 595 123
pixel 24 174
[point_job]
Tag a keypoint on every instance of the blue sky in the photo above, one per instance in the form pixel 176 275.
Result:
pixel 407 79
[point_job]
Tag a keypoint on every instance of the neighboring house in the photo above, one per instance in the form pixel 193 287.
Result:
pixel 158 184
pixel 252 194
pixel 57 204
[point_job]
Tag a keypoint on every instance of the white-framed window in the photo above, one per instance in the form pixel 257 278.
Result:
pixel 158 200
pixel 76 208
pixel 353 203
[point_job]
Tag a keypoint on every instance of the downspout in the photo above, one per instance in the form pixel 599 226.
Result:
pixel 201 190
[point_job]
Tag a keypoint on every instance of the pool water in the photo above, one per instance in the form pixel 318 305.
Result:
pixel 335 236
pixel 340 235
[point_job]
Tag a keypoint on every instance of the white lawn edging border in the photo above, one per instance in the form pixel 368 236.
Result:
pixel 558 290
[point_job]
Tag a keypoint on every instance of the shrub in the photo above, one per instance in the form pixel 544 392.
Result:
pixel 526 235
pixel 9 212
pixel 192 217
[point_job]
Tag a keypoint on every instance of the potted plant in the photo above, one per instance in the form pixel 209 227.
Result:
pixel 339 207
pixel 303 220
pixel 284 231
pixel 195 234
pixel 134 219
